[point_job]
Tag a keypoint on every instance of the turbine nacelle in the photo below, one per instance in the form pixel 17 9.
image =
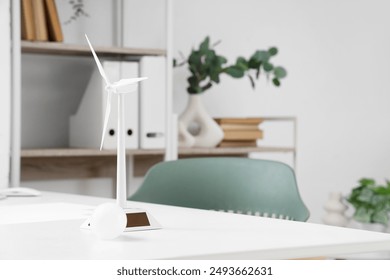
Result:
pixel 124 85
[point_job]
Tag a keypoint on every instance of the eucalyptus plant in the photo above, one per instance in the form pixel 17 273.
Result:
pixel 371 202
pixel 206 66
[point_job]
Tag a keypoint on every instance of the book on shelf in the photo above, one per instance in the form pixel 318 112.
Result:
pixel 236 144
pixel 27 16
pixel 53 21
pixel 40 23
pixel 253 121
pixel 242 134
pixel 228 126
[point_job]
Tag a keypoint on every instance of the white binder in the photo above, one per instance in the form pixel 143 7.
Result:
pixel 87 124
pixel 130 70
pixel 152 102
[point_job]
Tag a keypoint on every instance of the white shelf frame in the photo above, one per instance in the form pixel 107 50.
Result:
pixel 170 151
pixel 16 95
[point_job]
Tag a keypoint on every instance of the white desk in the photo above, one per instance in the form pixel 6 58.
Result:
pixel 186 234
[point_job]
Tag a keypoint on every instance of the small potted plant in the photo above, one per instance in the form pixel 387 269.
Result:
pixel 371 202
pixel 206 66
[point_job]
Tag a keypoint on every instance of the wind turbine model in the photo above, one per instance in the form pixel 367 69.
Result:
pixel 120 88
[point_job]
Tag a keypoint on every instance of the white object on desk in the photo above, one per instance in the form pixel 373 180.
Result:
pixel 137 220
pixel 108 221
pixel 187 234
pixel 19 191
pixel 119 88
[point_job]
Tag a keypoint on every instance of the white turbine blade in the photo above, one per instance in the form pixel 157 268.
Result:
pixel 106 116
pixel 99 65
pixel 125 82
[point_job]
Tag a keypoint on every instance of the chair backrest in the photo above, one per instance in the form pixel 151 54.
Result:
pixel 240 185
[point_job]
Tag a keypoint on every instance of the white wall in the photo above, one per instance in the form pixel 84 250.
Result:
pixel 5 93
pixel 98 24
pixel 337 56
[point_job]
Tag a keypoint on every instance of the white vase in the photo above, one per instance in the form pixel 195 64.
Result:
pixel 335 211
pixel 209 134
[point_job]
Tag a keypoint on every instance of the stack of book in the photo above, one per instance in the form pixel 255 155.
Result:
pixel 40 21
pixel 240 132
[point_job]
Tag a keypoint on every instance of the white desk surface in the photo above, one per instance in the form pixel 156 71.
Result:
pixel 186 234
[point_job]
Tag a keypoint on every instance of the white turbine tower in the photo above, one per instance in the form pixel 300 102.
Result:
pixel 119 88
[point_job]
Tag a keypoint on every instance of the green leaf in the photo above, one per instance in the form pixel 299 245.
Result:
pixel 365 195
pixel 214 76
pixel 380 217
pixel 267 67
pixel 194 59
pixel 242 63
pixel 193 81
pixel 234 72
pixel 363 215
pixel 204 46
pixel 276 82
pixel 367 182
pixel 280 72
pixel 254 64
pixel 382 190
pixel 221 60
pixel 206 87
pixel 259 56
pixel 273 51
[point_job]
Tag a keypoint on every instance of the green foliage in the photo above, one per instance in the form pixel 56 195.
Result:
pixel 206 66
pixel 371 202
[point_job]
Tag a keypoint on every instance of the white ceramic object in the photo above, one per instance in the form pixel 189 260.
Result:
pixel 335 211
pixel 186 139
pixel 210 133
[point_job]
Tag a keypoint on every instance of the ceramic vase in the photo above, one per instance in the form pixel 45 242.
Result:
pixel 209 134
pixel 335 211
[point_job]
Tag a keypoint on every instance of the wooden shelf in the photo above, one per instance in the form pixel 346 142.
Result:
pixel 69 163
pixel 54 48
pixel 71 152
pixel 234 151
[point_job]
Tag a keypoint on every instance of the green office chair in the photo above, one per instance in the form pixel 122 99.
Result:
pixel 239 185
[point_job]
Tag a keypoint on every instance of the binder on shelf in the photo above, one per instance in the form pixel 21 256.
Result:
pixel 130 70
pixel 152 102
pixel 87 124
